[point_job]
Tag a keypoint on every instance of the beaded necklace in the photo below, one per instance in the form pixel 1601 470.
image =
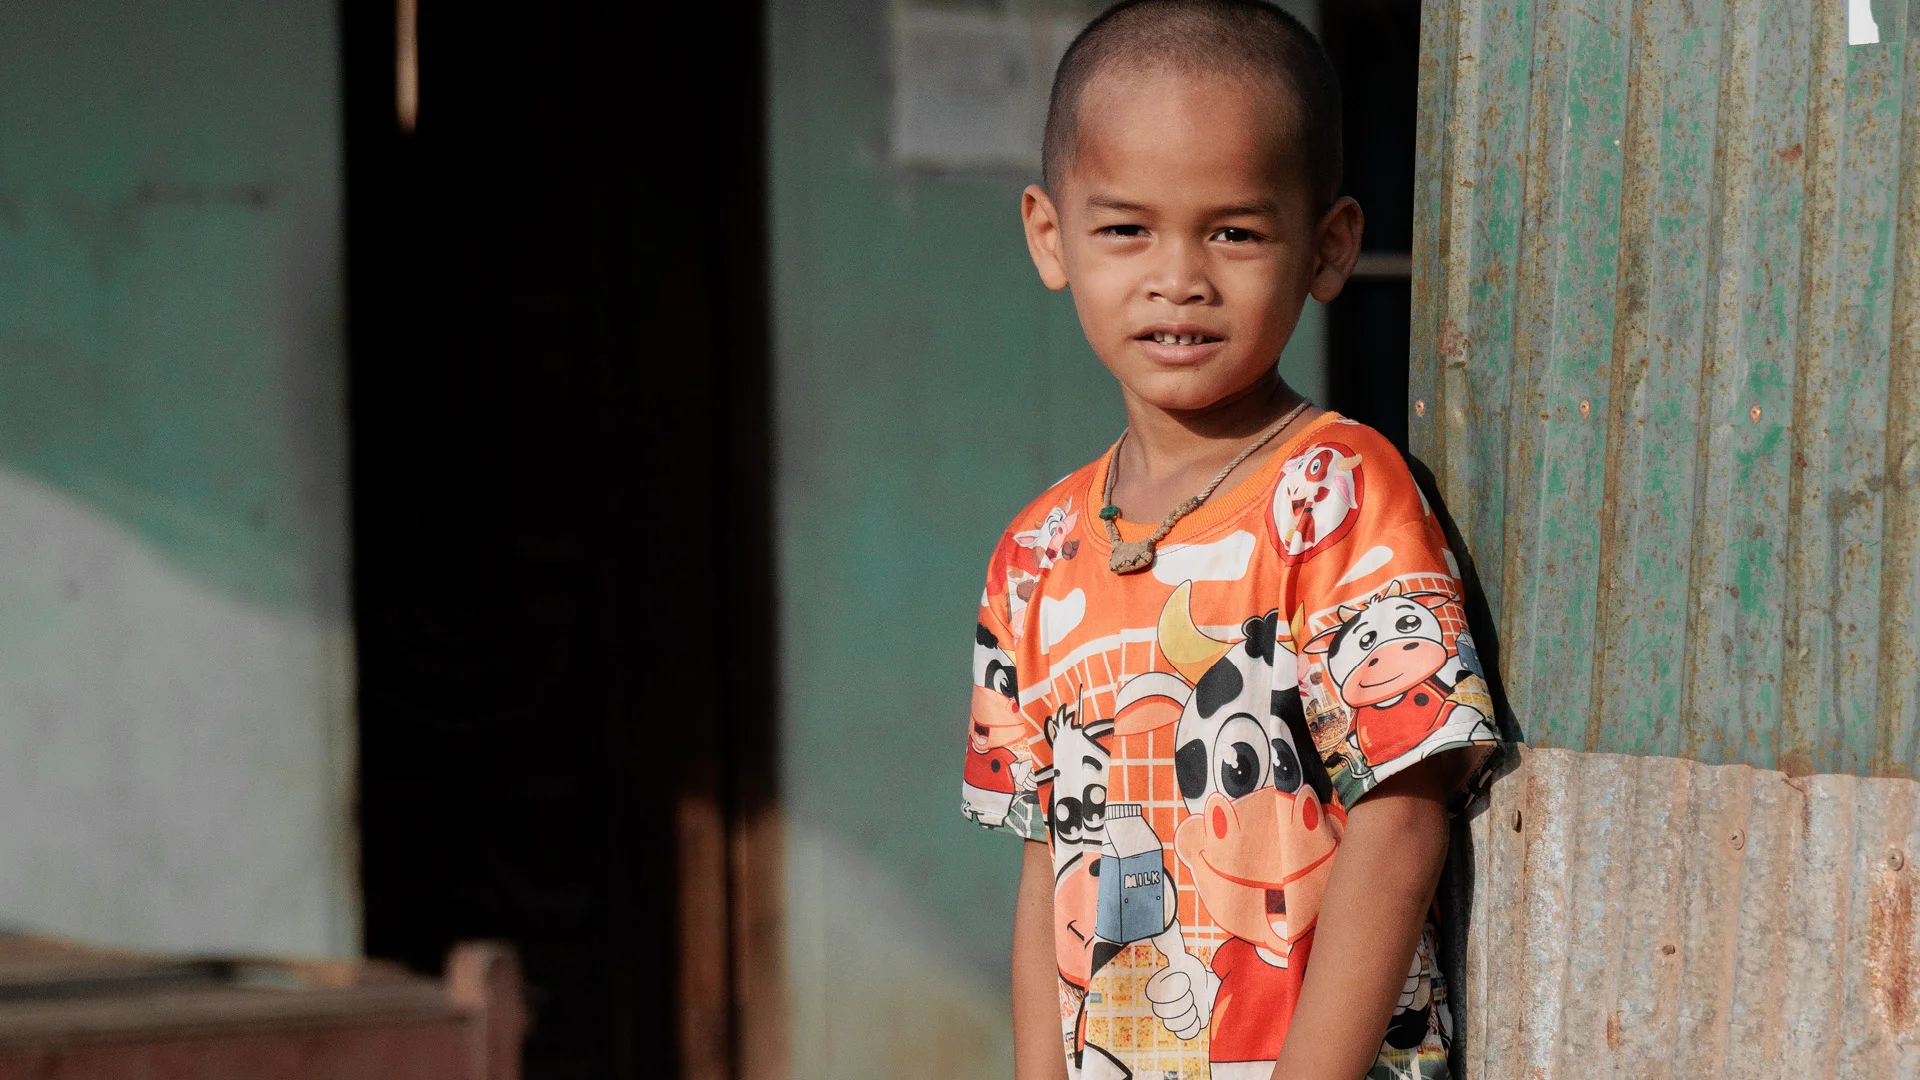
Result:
pixel 1133 556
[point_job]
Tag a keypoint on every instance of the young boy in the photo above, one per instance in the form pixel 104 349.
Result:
pixel 1222 676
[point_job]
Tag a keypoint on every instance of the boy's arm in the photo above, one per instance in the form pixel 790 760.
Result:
pixel 1037 1050
pixel 1371 918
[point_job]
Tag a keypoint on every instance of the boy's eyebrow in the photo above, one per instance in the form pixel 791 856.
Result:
pixel 1252 209
pixel 1262 206
pixel 1101 202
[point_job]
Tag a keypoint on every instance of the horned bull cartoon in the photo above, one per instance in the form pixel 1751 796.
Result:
pixel 1258 833
pixel 1389 660
pixel 1318 499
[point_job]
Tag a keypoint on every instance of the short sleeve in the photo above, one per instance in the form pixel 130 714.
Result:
pixel 999 789
pixel 1388 671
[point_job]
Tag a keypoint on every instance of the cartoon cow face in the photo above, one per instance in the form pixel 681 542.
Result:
pixel 1259 831
pixel 1049 542
pixel 1229 739
pixel 1077 795
pixel 1385 648
pixel 1317 498
pixel 996 719
pixel 1074 792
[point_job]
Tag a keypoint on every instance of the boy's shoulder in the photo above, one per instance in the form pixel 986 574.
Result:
pixel 1333 427
pixel 1046 531
pixel 1058 508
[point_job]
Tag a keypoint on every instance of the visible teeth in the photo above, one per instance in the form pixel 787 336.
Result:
pixel 1179 339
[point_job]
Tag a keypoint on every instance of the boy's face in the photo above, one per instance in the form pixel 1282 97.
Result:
pixel 1184 225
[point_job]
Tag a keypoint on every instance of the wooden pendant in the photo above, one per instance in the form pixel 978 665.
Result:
pixel 1131 556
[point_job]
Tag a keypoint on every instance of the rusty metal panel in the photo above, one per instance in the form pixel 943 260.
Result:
pixel 1664 367
pixel 1717 921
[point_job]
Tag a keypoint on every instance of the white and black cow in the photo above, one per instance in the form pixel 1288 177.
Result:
pixel 1259 830
pixel 1389 659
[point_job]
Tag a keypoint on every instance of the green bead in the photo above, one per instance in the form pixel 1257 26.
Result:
pixel 1108 513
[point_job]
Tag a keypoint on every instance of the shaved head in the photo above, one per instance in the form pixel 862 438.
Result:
pixel 1242 39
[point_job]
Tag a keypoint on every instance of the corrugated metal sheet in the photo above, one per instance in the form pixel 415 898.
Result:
pixel 1715 921
pixel 1665 367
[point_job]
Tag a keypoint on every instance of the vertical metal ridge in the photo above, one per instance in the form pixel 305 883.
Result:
pixel 1628 362
pixel 1732 162
pixel 1519 616
pixel 1897 697
pixel 1440 27
pixel 1448 347
pixel 1808 592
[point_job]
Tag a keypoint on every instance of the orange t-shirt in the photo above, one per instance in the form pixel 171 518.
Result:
pixel 1188 740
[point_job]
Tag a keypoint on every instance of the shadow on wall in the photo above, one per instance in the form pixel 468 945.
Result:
pixel 1457 881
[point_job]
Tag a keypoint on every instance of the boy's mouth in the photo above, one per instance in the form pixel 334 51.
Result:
pixel 1178 345
pixel 1162 338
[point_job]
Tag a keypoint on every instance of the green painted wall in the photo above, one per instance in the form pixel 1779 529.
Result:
pixel 1666 367
pixel 175 683
pixel 927 388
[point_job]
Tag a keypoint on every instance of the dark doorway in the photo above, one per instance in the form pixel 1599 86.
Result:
pixel 560 499
pixel 1375 46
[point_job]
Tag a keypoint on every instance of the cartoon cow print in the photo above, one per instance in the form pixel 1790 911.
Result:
pixel 1259 832
pixel 1317 500
pixel 1389 660
pixel 1049 542
pixel 995 778
pixel 1073 791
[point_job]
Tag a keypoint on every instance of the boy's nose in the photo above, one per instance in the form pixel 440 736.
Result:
pixel 1181 277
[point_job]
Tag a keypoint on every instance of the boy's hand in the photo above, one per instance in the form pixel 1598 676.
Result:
pixel 1371 919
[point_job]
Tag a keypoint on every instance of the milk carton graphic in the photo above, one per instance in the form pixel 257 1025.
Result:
pixel 1133 885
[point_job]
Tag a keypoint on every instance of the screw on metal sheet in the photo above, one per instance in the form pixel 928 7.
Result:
pixel 1419 408
pixel 1666 950
pixel 1586 407
pixel 1895 860
pixel 1754 413
pixel 1737 838
pixel 1516 821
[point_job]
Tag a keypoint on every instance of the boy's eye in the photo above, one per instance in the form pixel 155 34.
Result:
pixel 1234 236
pixel 1128 232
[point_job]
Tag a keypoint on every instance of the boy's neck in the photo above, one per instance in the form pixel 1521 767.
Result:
pixel 1169 455
pixel 1163 443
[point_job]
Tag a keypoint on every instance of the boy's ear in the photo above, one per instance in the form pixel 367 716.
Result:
pixel 1336 248
pixel 1042 221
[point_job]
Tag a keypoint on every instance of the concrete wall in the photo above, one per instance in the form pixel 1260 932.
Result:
pixel 927 387
pixel 175 654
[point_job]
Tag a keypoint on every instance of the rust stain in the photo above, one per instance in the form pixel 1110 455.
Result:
pixel 1890 946
pixel 1453 341
pixel 1791 155
pixel 1725 867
